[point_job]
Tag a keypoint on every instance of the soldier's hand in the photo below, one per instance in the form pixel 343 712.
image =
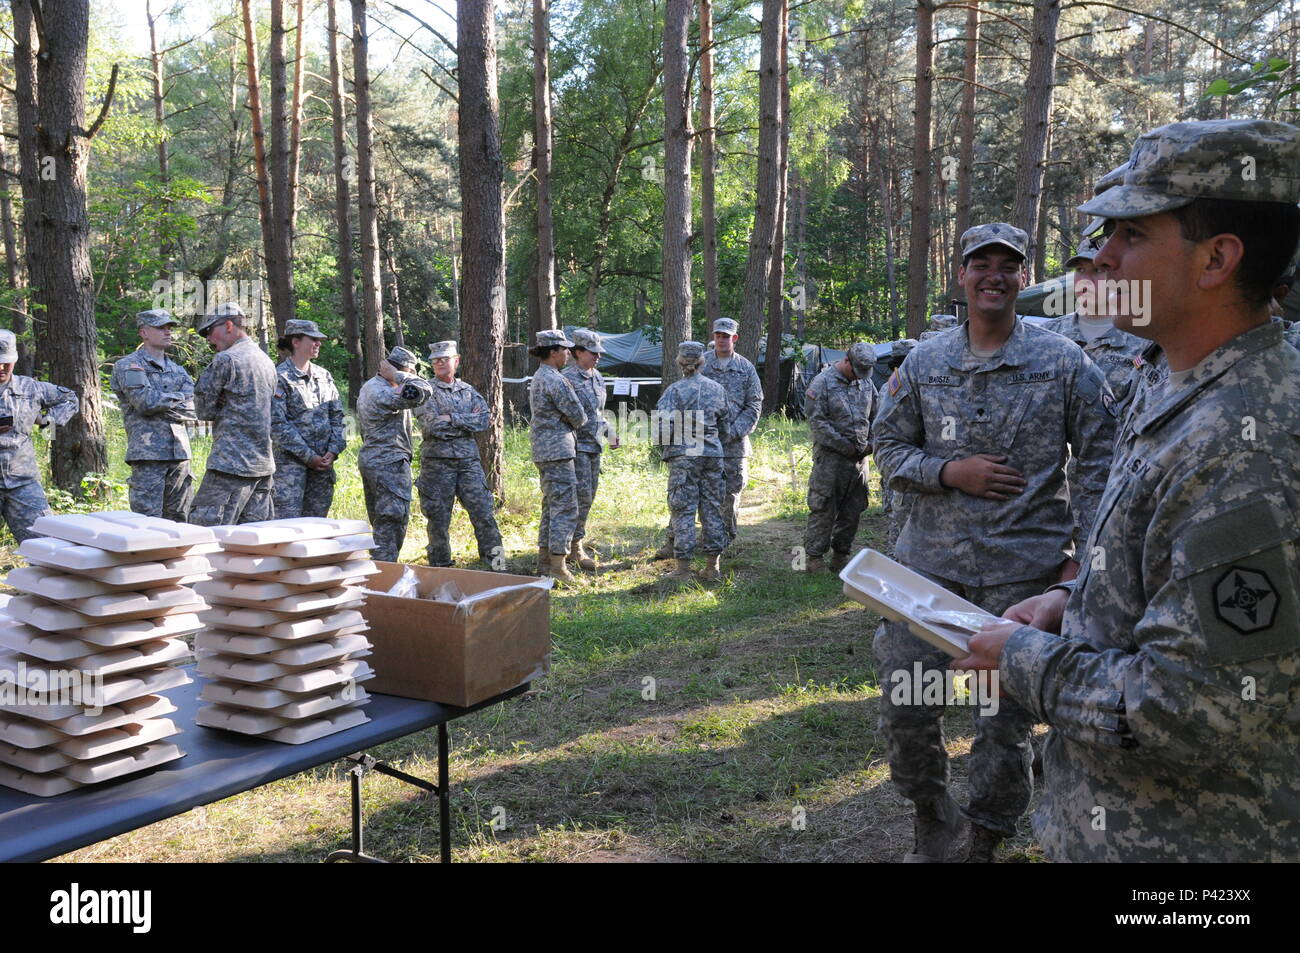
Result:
pixel 327 461
pixel 317 463
pixel 1043 612
pixel 613 441
pixel 983 475
pixel 986 649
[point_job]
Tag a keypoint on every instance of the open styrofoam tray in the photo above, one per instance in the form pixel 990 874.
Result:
pixel 54 617
pixel 930 612
pixel 240 695
pixel 125 762
pixel 274 532
pixel 118 634
pixel 308 548
pixel 31 782
pixel 297 678
pixel 267 567
pixel 255 622
pixel 103 565
pixel 121 531
pixel 288 607
pixel 280 652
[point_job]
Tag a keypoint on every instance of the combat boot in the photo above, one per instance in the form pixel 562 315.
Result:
pixel 559 571
pixel 543 561
pixel 983 845
pixel 581 558
pixel 682 572
pixel 712 571
pixel 938 824
pixel 839 561
pixel 814 564
pixel 665 551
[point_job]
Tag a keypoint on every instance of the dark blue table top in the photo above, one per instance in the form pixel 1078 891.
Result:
pixel 217 764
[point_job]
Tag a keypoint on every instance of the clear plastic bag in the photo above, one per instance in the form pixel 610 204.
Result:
pixel 407 587
pixel 447 592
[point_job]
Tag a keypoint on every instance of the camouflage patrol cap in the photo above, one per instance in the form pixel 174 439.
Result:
pixel 588 340
pixel 154 318
pixel 8 347
pixel 1108 181
pixel 997 233
pixel 1244 160
pixel 862 357
pixel 226 311
pixel 302 326
pixel 725 326
pixel 443 349
pixel 401 357
pixel 552 339
pixel 1087 251
pixel 690 351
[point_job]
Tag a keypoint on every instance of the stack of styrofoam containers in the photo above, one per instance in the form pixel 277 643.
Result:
pixel 103 610
pixel 284 643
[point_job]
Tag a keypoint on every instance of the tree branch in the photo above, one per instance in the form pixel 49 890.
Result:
pixel 108 102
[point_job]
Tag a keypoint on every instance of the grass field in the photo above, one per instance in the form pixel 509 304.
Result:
pixel 757 743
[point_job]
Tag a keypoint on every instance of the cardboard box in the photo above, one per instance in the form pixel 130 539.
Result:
pixel 457 653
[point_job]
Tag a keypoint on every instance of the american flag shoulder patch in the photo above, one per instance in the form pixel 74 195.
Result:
pixel 895 382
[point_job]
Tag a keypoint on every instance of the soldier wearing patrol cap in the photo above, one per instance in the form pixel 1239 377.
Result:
pixel 1171 688
pixel 450 467
pixel 383 414
pixel 306 425
pixel 976 427
pixel 157 399
pixel 841 404
pixel 591 438
pixel 25 403
pixel 234 392
pixel 693 415
pixel 557 416
pixel 745 395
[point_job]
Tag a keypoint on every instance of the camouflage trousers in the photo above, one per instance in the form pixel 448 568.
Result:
pixel 21 507
pixel 225 499
pixel 695 486
pixel 559 482
pixel 999 770
pixel 387 488
pixel 443 481
pixel 836 498
pixel 895 505
pixel 734 472
pixel 300 490
pixel 587 467
pixel 162 488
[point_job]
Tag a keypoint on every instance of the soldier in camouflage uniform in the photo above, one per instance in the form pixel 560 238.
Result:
pixel 841 405
pixel 306 426
pixel 590 388
pixel 745 394
pixel 692 420
pixel 25 403
pixel 557 415
pixel 383 414
pixel 234 392
pixel 974 426
pixel 894 505
pixel 449 461
pixel 157 400
pixel 1171 689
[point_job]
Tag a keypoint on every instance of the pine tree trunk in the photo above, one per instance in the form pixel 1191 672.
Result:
pixel 1037 118
pixel 342 172
pixel 546 316
pixel 164 172
pixel 60 270
pixel 708 160
pixel 282 296
pixel 265 215
pixel 919 249
pixel 677 187
pixel 767 189
pixel 966 130
pixel 483 274
pixel 295 129
pixel 776 276
pixel 372 317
